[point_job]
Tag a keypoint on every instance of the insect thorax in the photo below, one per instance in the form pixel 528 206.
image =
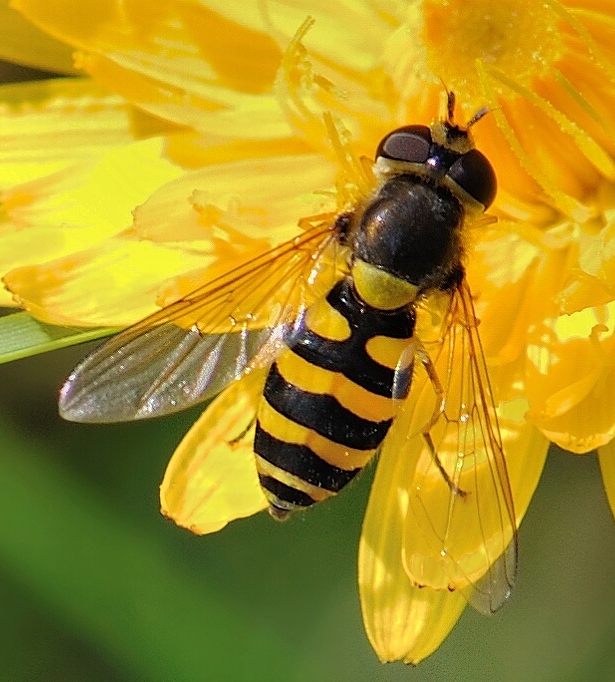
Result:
pixel 411 230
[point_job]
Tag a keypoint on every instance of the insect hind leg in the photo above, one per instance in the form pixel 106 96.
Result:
pixel 423 356
pixel 242 434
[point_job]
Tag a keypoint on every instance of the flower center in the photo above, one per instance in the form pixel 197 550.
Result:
pixel 515 36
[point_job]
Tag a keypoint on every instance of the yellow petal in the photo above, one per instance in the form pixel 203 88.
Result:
pixel 209 108
pixel 200 45
pixel 69 170
pixel 362 27
pixel 402 620
pixel 23 43
pixel 62 119
pixel 501 270
pixel 193 150
pixel 570 376
pixel 96 196
pixel 211 478
pixel 250 199
pixel 592 283
pixel 113 284
pixel 528 276
pixel 208 63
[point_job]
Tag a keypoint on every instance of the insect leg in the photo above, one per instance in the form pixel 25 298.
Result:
pixel 235 441
pixel 438 413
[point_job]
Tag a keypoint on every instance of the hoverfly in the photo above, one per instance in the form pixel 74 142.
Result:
pixel 341 362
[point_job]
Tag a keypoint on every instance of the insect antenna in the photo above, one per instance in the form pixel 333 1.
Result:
pixel 483 111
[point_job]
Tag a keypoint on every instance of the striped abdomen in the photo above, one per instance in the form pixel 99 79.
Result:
pixel 327 403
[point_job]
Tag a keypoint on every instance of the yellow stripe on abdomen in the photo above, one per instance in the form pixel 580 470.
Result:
pixel 313 379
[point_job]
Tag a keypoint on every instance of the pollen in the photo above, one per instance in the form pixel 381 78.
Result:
pixel 515 37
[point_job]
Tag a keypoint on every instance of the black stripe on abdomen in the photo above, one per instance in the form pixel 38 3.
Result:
pixel 284 493
pixel 323 414
pixel 301 461
pixel 334 356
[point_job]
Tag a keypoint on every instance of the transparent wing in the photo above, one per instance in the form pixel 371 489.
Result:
pixel 461 530
pixel 190 350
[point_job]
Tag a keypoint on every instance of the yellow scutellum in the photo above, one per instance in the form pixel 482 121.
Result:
pixel 225 127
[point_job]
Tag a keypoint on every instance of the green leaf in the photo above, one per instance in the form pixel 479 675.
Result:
pixel 21 336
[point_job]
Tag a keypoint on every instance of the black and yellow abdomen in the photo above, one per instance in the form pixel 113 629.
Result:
pixel 328 399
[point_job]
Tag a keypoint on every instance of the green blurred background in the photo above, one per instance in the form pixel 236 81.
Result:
pixel 96 586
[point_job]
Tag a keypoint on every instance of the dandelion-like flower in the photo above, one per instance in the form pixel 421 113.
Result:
pixel 225 127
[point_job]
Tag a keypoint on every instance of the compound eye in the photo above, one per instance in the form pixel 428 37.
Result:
pixel 410 143
pixel 473 173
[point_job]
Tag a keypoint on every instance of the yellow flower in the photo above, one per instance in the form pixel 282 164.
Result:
pixel 213 125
